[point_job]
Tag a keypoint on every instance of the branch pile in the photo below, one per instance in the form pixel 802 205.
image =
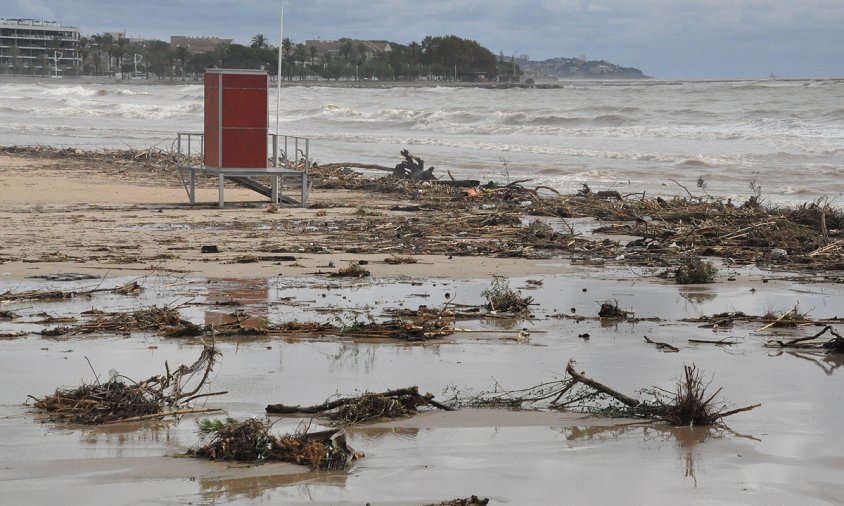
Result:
pixel 690 403
pixel 117 400
pixel 251 441
pixel 130 288
pixel 166 320
pixel 367 407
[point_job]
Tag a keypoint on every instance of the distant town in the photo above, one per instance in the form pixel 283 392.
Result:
pixel 31 47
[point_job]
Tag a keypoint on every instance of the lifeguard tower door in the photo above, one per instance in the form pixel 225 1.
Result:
pixel 236 119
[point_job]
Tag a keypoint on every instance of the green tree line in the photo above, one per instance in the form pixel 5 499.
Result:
pixel 442 57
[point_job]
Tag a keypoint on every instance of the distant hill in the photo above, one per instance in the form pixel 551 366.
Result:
pixel 577 68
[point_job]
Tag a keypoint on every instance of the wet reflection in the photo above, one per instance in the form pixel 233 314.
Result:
pixel 349 356
pixel 367 434
pixel 609 323
pixel 125 434
pixel 500 323
pixel 698 295
pixel 229 295
pixel 687 439
pixel 258 487
pixel 828 363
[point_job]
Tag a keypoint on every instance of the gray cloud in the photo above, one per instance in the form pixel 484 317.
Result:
pixel 666 38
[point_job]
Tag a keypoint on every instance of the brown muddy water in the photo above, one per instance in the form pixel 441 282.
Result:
pixel 788 451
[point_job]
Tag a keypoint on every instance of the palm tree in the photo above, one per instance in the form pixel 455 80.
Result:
pixel 260 42
pixel 182 55
pixel 84 50
pixel 107 43
pixel 104 43
pixel 122 44
pixel 346 49
pixel 300 54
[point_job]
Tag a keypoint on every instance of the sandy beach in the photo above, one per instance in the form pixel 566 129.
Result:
pixel 120 221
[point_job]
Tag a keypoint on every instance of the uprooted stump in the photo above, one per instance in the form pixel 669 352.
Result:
pixel 367 407
pixel 252 441
pixel 501 298
pixel 690 404
pixel 117 400
pixel 610 309
pixel 695 271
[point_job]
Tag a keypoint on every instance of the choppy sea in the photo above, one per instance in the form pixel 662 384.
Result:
pixel 783 136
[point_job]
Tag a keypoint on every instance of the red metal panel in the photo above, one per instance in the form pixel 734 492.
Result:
pixel 244 148
pixel 212 119
pixel 258 81
pixel 236 119
pixel 245 108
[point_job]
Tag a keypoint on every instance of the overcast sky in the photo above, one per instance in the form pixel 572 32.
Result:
pixel 664 38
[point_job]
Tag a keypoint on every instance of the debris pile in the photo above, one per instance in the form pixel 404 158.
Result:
pixel 117 400
pixel 353 270
pixel 423 328
pixel 695 271
pixel 164 320
pixel 690 404
pixel 252 441
pixel 467 501
pixel 367 407
pixel 130 288
pixel 501 298
pixel 610 309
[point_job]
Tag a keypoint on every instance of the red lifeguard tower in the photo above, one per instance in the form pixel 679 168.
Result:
pixel 236 140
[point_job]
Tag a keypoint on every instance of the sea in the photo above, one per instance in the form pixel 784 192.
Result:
pixel 782 139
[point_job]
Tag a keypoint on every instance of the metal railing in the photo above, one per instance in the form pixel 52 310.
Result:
pixel 190 144
pixel 281 145
pixel 290 157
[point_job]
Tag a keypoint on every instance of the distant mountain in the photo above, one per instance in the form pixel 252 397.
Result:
pixel 577 68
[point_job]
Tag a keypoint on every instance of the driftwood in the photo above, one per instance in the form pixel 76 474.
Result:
pixel 115 401
pixel 664 347
pixel 367 407
pixel 129 288
pixel 624 399
pixel 834 345
pixel 413 168
pixel 691 405
pixel 719 342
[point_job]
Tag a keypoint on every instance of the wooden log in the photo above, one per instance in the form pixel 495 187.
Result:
pixel 662 346
pixel 281 409
pixel 620 397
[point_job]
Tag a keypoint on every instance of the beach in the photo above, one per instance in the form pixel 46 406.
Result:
pixel 121 217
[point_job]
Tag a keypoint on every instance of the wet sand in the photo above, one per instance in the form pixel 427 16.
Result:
pixel 788 451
